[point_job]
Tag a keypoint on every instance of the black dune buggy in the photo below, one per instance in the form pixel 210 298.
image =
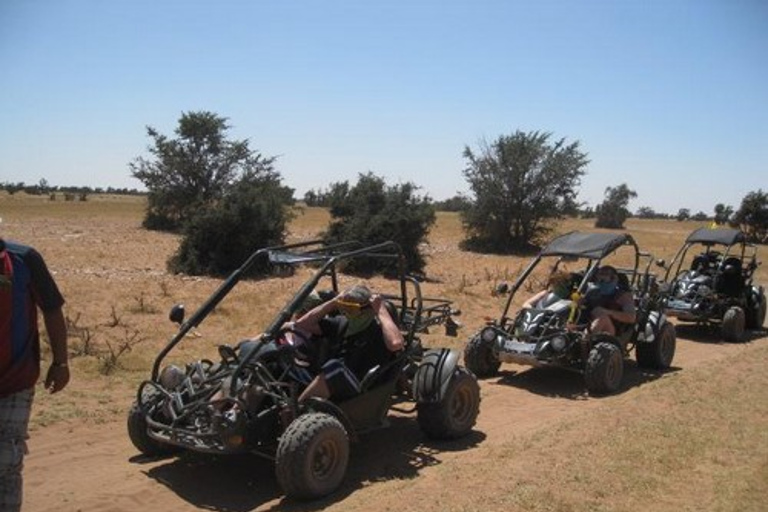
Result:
pixel 248 400
pixel 554 332
pixel 710 282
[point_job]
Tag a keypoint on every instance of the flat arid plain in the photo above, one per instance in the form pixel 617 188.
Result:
pixel 694 438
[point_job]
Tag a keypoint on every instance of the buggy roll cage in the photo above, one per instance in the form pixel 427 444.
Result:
pixel 709 238
pixel 590 246
pixel 413 316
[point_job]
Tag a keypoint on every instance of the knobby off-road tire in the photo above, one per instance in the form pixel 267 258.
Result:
pixel 659 353
pixel 755 315
pixel 733 325
pixel 137 432
pixel 480 358
pixel 456 414
pixel 604 370
pixel 312 456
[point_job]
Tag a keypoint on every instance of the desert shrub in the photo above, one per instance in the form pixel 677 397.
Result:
pixel 251 215
pixel 521 183
pixel 752 216
pixel 194 170
pixel 612 212
pixel 372 212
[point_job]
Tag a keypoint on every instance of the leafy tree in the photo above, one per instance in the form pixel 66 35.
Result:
pixel 372 212
pixel 317 197
pixel 683 214
pixel 252 213
pixel 191 172
pixel 456 203
pixel 586 212
pixel 722 213
pixel 700 216
pixel 752 216
pixel 612 212
pixel 520 183
pixel 646 212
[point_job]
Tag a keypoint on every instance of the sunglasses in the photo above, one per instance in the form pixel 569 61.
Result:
pixel 350 305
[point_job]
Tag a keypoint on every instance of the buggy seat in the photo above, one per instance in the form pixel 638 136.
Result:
pixel 730 281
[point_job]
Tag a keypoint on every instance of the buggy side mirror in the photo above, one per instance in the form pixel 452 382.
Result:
pixel 177 314
pixel 501 289
pixel 452 327
pixel 661 263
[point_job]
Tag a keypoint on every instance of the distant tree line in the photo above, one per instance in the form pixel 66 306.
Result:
pixel 42 188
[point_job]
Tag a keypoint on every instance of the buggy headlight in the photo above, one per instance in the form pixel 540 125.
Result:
pixel 558 343
pixel 488 334
pixel 171 377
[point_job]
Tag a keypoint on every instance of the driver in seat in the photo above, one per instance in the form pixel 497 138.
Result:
pixel 371 339
pixel 609 303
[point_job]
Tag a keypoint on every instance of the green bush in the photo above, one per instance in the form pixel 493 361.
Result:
pixel 372 212
pixel 252 214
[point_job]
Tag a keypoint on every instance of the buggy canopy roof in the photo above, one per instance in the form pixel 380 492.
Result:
pixel 710 236
pixel 587 245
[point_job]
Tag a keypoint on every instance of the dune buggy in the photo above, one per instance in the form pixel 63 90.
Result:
pixel 710 282
pixel 555 331
pixel 248 400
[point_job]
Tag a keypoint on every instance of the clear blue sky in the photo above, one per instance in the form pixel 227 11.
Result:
pixel 667 96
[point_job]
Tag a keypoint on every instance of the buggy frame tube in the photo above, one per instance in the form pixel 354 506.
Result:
pixel 328 268
pixel 205 309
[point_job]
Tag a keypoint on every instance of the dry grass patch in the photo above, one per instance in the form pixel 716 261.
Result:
pixel 695 441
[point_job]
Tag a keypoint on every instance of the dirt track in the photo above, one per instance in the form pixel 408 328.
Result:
pixel 73 467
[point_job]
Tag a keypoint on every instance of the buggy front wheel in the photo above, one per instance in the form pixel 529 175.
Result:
pixel 755 314
pixel 604 370
pixel 480 358
pixel 137 432
pixel 312 456
pixel 733 324
pixel 658 354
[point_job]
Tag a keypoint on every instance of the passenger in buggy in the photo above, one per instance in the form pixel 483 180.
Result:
pixel 559 286
pixel 610 303
pixel 370 338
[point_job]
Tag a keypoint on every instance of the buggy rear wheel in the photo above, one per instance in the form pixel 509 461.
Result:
pixel 456 414
pixel 137 432
pixel 604 370
pixel 755 314
pixel 733 324
pixel 480 358
pixel 312 456
pixel 659 353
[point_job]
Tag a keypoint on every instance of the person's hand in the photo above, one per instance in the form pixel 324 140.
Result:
pixel 376 302
pixel 57 377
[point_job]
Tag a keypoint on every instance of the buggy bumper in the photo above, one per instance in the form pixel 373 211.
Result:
pixel 202 442
pixel 683 310
pixel 514 351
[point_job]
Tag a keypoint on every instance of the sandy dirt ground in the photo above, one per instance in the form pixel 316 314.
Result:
pixel 111 268
pixel 76 467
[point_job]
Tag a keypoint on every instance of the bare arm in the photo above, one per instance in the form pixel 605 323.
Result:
pixel 310 321
pixel 533 300
pixel 392 335
pixel 57 377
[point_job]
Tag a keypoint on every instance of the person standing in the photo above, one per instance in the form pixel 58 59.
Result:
pixel 25 285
